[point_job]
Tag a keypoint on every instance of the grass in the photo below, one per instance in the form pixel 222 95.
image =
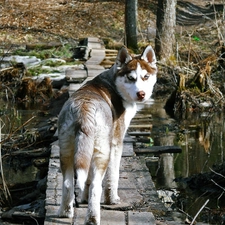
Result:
pixel 56 52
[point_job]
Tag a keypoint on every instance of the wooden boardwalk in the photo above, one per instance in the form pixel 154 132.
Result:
pixel 136 188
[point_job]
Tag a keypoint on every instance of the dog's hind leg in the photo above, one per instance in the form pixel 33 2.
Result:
pixel 98 168
pixel 67 167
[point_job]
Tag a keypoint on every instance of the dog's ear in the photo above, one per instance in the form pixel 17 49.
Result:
pixel 122 57
pixel 149 56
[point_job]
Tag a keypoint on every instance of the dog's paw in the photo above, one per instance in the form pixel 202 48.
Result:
pixel 112 201
pixel 92 221
pixel 66 212
pixel 115 201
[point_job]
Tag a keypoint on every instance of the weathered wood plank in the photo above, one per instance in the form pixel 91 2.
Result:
pixel 94 73
pixel 132 164
pixel 97 56
pixel 73 88
pixel 95 67
pixel 141 218
pixel 134 133
pixel 54 220
pixel 108 217
pixel 74 71
pixel 141 116
pixel 158 149
pixel 136 126
pixel 111 51
pixel 128 149
pixel 128 139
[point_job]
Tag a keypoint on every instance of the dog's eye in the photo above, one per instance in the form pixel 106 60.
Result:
pixel 146 77
pixel 129 77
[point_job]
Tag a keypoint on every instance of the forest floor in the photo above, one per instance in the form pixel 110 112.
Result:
pixel 24 22
pixel 199 33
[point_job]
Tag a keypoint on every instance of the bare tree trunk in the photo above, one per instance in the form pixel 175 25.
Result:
pixel 131 24
pixel 166 22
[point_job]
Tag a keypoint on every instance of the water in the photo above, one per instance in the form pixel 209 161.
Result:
pixel 18 130
pixel 202 139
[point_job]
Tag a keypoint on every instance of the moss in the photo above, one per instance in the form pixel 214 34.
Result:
pixel 34 71
pixel 56 52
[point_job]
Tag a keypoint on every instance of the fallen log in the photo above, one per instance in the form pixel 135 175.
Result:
pixel 158 150
pixel 43 45
pixel 40 152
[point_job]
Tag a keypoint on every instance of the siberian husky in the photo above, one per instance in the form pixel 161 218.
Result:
pixel 92 125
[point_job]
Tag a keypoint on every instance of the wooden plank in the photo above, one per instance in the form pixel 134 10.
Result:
pixel 128 196
pixel 75 75
pixel 95 59
pixel 141 218
pixel 94 73
pixel 158 149
pixel 73 88
pixel 111 51
pixel 113 58
pixel 54 220
pixel 72 71
pixel 94 67
pixel 140 121
pixel 75 80
pixel 93 39
pixel 134 133
pixel 132 164
pixel 128 139
pixel 108 217
pixel 80 214
pixel 140 126
pixel 128 149
pixel 93 42
pixel 141 116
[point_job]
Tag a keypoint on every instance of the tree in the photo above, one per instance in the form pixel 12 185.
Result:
pixel 165 23
pixel 131 24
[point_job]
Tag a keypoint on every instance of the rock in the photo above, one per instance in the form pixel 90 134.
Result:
pixel 28 61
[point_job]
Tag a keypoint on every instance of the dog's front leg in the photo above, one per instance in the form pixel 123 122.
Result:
pixel 111 188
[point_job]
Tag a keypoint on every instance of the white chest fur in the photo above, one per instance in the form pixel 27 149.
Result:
pixel 130 111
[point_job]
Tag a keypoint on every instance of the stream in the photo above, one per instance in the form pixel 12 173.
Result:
pixel 202 139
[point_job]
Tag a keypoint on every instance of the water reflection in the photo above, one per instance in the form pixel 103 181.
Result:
pixel 202 138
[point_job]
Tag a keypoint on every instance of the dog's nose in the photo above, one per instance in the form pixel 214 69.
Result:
pixel 141 95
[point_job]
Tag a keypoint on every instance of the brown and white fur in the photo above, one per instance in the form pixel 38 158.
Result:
pixel 92 125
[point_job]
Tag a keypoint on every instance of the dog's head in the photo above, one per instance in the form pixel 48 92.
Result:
pixel 136 76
